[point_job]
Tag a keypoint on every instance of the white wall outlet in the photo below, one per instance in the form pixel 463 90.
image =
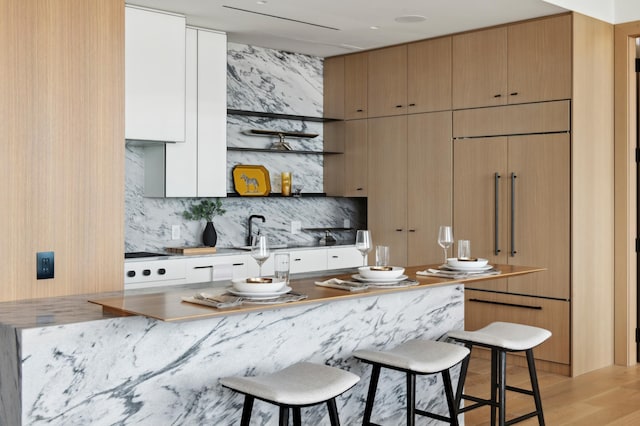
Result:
pixel 175 232
pixel 346 223
pixel 296 226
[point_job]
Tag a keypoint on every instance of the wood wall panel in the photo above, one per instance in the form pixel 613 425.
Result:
pixel 62 157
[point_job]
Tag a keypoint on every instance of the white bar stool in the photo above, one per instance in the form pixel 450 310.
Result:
pixel 299 385
pixel 415 357
pixel 502 337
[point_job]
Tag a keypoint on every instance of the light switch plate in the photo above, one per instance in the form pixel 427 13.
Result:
pixel 175 232
pixel 346 223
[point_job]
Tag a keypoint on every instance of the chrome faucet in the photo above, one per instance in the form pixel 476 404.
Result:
pixel 250 237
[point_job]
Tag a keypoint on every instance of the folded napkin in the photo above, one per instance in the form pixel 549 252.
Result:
pixel 447 273
pixel 394 284
pixel 342 284
pixel 215 301
pixel 285 298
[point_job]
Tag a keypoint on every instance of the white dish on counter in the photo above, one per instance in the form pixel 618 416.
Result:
pixel 243 285
pixel 466 264
pixel 370 272
pixel 379 280
pixel 259 295
pixel 462 269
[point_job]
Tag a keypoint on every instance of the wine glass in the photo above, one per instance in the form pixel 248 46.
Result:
pixel 260 250
pixel 363 243
pixel 445 239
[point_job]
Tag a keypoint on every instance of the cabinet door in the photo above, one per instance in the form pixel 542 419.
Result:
pixel 154 75
pixel 212 114
pixel 480 207
pixel 308 261
pixel 480 68
pixel 541 213
pixel 355 158
pixel 539 60
pixel 333 85
pixel 429 168
pixel 355 85
pixel 216 268
pixel 343 257
pixel 482 308
pixel 388 81
pixel 429 75
pixel 197 168
pixel 387 201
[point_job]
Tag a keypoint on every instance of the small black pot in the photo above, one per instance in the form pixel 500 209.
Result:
pixel 209 236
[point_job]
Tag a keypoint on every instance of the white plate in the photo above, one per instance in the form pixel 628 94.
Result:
pixel 262 295
pixel 379 280
pixel 467 269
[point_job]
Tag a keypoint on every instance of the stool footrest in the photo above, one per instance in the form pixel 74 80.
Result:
pixel 521 418
pixel 432 415
pixel 519 390
pixel 479 402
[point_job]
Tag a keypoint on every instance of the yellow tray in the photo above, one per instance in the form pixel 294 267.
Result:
pixel 251 181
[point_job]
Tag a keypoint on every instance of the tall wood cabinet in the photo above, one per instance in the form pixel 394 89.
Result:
pixel 409 191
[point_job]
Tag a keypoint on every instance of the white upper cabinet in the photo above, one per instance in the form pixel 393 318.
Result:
pixel 198 168
pixel 154 75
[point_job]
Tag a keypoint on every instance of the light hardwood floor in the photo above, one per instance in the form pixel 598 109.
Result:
pixel 609 396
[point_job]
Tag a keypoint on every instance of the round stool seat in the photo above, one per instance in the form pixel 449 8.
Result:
pixel 506 335
pixel 420 356
pixel 300 384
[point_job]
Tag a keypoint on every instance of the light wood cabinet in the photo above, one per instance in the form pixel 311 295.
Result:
pixel 356 86
pixel 333 87
pixel 518 63
pixel 429 75
pixel 355 157
pixel 387 80
pixel 512 200
pixel 410 184
pixel 154 75
pixel 483 308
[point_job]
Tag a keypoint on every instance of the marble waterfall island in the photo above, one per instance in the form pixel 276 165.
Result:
pixel 69 362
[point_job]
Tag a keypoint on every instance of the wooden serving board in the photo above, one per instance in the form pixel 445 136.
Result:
pixel 191 250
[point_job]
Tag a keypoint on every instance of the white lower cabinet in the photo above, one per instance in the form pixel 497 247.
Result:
pixel 308 261
pixel 217 268
pixel 343 257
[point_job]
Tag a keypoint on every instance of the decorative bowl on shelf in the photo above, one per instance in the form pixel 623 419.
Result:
pixel 374 272
pixel 259 285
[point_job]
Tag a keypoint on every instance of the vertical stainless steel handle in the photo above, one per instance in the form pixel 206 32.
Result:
pixel 496 233
pixel 513 214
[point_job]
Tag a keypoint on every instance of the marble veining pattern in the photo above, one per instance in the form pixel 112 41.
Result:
pixel 258 80
pixel 138 371
pixel 10 407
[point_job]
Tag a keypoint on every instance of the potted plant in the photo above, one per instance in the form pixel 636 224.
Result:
pixel 206 210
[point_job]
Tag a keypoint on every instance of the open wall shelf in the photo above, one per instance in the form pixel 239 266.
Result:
pixel 279 116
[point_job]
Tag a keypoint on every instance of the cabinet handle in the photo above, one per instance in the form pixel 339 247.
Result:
pixel 203 267
pixel 496 233
pixel 297 260
pixel 359 189
pixel 237 264
pixel 513 214
pixel 412 104
pixel 398 106
pixel 359 110
pixel 514 94
pixel 497 96
pixel 513 305
pixel 334 257
pixel 412 230
pixel 399 230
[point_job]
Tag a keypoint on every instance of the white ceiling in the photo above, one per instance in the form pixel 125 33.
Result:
pixel 332 27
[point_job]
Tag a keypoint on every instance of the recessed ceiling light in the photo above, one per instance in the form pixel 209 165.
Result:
pixel 261 2
pixel 373 27
pixel 410 19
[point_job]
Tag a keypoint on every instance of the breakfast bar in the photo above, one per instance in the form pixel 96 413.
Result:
pixel 147 357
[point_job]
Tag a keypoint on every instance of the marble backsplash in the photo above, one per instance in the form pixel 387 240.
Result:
pixel 266 80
